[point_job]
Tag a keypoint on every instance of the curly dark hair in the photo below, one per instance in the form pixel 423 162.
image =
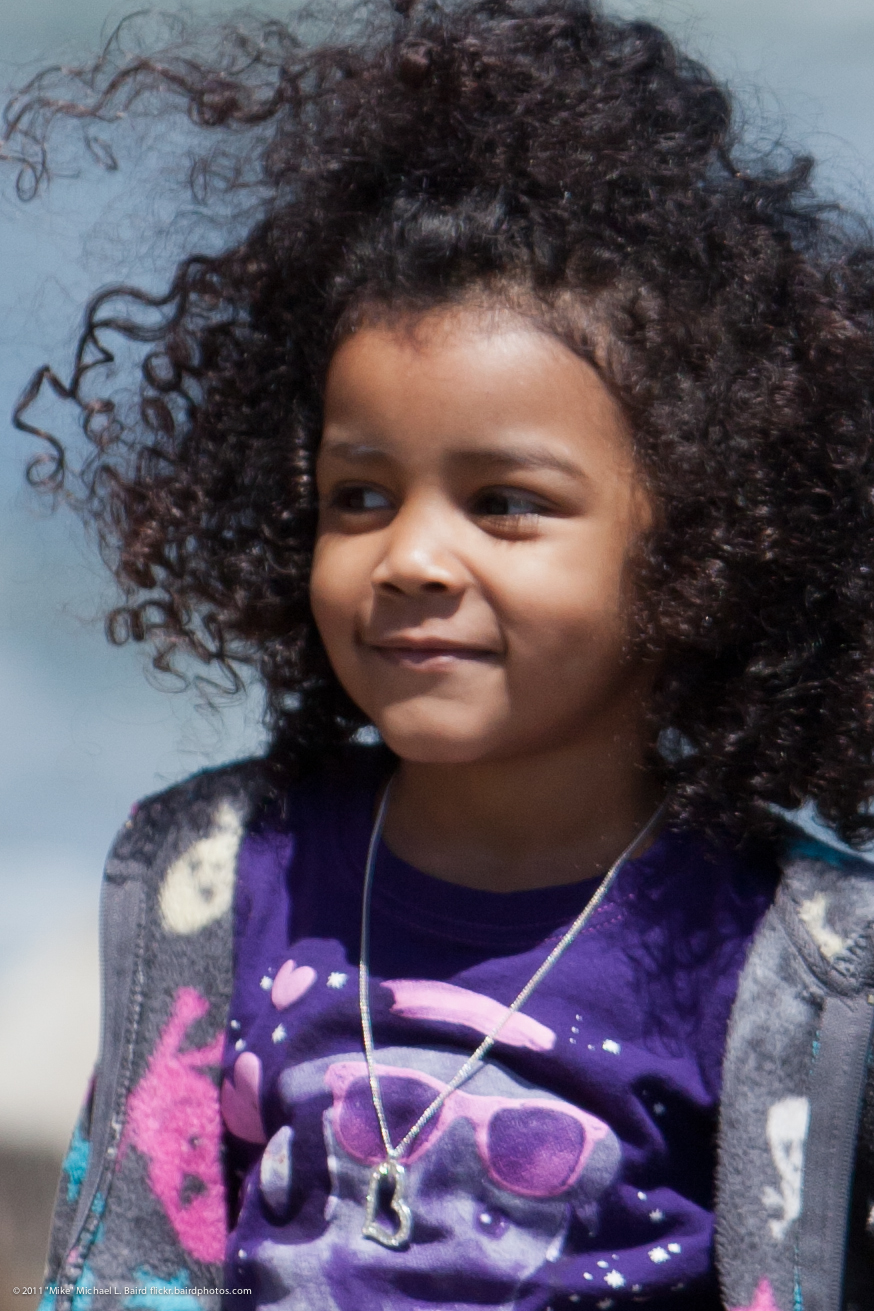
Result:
pixel 536 149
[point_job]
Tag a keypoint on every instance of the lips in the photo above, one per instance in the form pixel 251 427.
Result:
pixel 430 656
pixel 428 652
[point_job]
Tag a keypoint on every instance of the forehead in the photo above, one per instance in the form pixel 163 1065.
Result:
pixel 470 378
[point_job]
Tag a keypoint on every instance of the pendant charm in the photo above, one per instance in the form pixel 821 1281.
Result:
pixel 394 1174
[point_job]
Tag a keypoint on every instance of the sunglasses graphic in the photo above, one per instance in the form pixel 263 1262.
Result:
pixel 529 1146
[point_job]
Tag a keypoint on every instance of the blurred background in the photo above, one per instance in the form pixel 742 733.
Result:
pixel 83 731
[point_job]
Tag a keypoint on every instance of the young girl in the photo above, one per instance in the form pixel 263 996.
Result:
pixel 523 446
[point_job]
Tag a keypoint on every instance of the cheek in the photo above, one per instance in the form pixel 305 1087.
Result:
pixel 336 582
pixel 574 601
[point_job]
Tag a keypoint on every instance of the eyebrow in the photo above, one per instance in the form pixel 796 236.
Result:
pixel 517 457
pixel 356 452
pixel 505 458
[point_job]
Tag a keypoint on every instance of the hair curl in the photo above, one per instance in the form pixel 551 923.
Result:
pixel 498 145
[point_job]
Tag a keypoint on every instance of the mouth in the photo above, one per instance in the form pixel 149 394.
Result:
pixel 430 654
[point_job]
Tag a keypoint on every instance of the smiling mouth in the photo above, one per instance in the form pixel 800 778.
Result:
pixel 420 656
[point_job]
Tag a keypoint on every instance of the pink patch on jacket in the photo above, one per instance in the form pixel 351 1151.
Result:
pixel 763 1299
pixel 173 1118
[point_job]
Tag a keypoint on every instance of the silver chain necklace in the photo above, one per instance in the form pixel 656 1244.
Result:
pixel 391 1171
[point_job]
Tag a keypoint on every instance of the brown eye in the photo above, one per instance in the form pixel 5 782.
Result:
pixel 506 503
pixel 360 499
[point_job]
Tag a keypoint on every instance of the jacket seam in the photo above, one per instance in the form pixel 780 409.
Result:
pixel 835 981
pixel 107 1139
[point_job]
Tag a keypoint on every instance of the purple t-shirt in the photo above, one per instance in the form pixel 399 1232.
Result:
pixel 574 1169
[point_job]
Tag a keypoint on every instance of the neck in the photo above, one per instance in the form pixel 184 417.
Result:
pixel 510 825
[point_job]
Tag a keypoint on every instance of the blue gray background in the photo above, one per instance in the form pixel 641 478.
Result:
pixel 82 731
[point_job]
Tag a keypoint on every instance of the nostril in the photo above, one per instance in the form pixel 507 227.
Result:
pixel 434 587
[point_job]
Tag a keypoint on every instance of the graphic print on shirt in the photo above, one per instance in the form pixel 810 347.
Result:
pixel 628 1030
pixel 493 1181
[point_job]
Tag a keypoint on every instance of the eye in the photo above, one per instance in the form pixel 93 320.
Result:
pixel 507 503
pixel 359 498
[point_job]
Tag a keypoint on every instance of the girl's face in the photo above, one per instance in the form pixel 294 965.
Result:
pixel 478 504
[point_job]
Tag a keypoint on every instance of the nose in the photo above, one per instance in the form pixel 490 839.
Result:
pixel 419 557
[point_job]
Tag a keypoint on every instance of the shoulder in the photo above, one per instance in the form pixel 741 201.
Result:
pixel 219 805
pixel 214 804
pixel 242 785
pixel 794 1076
pixel 826 902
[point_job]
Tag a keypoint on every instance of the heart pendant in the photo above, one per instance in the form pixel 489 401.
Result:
pixel 395 1173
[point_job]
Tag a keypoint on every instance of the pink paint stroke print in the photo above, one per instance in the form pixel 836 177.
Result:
pixel 173 1119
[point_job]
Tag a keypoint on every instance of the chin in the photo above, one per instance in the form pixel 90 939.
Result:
pixel 430 744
